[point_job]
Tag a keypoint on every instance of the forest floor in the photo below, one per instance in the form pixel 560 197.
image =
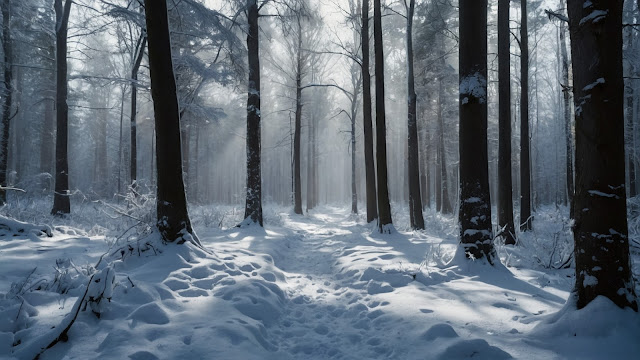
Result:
pixel 321 286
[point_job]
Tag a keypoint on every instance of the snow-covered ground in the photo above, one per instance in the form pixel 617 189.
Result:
pixel 321 286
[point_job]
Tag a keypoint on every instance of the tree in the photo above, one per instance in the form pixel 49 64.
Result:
pixel 253 207
pixel 505 196
pixel 566 96
pixel 415 198
pixel 8 93
pixel 476 235
pixel 172 215
pixel 525 159
pixel 139 53
pixel 370 170
pixel 600 230
pixel 385 224
pixel 61 203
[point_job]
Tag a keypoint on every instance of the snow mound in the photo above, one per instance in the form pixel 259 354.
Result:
pixel 10 228
pixel 581 333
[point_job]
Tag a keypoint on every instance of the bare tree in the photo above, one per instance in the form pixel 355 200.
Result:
pixel 385 223
pixel 600 231
pixel 505 195
pixel 7 95
pixel 172 215
pixel 525 159
pixel 415 198
pixel 253 207
pixel 476 235
pixel 370 170
pixel 61 203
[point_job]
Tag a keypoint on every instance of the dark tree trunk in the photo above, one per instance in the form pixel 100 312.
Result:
pixel 297 178
pixel 385 223
pixel 438 175
pixel 566 96
pixel 600 229
pixel 7 95
pixel 525 164
pixel 415 197
pixel 47 140
pixel 133 164
pixel 354 189
pixel 120 143
pixel 61 203
pixel 101 179
pixel 356 82
pixel 370 169
pixel 505 196
pixel 173 218
pixel 628 50
pixel 253 207
pixel 446 207
pixel 476 235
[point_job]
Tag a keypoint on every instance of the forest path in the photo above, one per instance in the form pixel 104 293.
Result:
pixel 331 313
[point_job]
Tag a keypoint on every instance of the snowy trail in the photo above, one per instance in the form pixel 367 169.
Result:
pixel 329 315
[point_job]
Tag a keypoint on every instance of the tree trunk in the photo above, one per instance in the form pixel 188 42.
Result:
pixel 354 189
pixel 133 165
pixel 525 164
pixel 370 169
pixel 101 179
pixel 297 179
pixel 566 95
pixel 438 174
pixel 446 207
pixel 47 140
pixel 61 203
pixel 629 94
pixel 8 95
pixel 172 217
pixel 385 224
pixel 120 142
pixel 476 235
pixel 415 197
pixel 253 207
pixel 600 228
pixel 505 196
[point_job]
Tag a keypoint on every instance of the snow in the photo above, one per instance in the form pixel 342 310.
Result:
pixel 593 84
pixel 594 16
pixel 322 286
pixel 474 85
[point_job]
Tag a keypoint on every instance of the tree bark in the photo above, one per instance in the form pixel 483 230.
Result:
pixel 172 215
pixel 133 164
pixel 8 95
pixel 445 201
pixel 253 207
pixel 600 229
pixel 525 158
pixel 297 178
pixel 385 223
pixel 505 196
pixel 566 96
pixel 47 137
pixel 476 235
pixel 61 203
pixel 415 197
pixel 370 169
